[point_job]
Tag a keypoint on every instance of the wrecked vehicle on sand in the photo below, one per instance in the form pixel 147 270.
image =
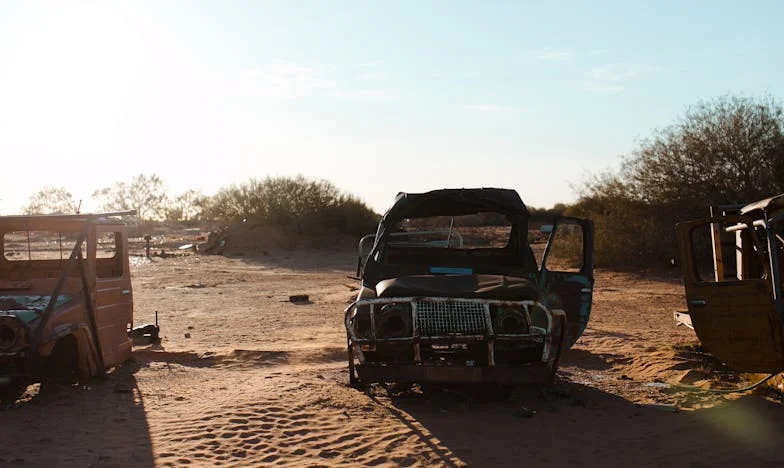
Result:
pixel 452 291
pixel 732 271
pixel 66 306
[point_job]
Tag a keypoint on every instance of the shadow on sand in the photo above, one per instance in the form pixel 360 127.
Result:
pixel 568 424
pixel 102 424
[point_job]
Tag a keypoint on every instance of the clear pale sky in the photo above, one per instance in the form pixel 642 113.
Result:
pixel 378 97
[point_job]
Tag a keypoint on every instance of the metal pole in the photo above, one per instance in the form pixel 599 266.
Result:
pixel 774 271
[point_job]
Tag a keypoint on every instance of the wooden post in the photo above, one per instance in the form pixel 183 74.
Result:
pixel 718 260
pixel 147 244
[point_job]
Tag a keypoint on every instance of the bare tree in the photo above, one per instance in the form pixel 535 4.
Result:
pixel 147 194
pixel 187 206
pixel 51 200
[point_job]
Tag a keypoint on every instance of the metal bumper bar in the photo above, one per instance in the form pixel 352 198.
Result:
pixel 549 352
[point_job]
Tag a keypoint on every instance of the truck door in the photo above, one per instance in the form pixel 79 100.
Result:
pixel 113 296
pixel 729 292
pixel 566 271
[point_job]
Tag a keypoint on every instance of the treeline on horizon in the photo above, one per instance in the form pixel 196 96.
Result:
pixel 296 205
pixel 729 150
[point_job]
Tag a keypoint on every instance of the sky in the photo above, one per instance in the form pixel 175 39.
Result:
pixel 376 96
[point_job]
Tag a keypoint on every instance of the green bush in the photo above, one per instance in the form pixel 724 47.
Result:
pixel 297 205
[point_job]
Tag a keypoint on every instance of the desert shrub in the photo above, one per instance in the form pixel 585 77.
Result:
pixel 726 151
pixel 186 207
pixel 51 200
pixel 293 204
pixel 147 194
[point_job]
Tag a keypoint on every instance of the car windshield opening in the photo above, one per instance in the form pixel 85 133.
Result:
pixel 475 231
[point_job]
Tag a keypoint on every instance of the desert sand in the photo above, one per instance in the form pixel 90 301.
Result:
pixel 245 378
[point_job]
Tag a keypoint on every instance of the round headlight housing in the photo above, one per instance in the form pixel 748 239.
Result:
pixel 509 320
pixel 394 321
pixel 10 331
pixel 361 322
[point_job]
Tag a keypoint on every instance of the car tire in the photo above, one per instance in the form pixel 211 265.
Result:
pixel 62 366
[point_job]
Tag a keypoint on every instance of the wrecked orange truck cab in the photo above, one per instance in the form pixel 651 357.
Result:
pixel 457 287
pixel 66 302
pixel 732 271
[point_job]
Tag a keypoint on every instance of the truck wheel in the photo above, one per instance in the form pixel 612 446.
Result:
pixel 62 365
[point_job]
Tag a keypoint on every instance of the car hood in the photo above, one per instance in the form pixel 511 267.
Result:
pixel 463 286
pixel 28 307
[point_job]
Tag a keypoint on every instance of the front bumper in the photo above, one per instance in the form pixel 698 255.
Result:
pixel 418 363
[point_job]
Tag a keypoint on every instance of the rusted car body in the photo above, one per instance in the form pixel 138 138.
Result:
pixel 732 266
pixel 465 300
pixel 66 303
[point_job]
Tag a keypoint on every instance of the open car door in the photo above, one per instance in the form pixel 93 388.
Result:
pixel 731 290
pixel 113 294
pixel 566 269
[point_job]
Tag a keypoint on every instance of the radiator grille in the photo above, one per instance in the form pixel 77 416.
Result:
pixel 444 318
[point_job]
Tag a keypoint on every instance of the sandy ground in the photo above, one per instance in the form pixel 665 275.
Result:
pixel 245 378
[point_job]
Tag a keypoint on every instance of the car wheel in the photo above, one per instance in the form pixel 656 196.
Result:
pixel 62 365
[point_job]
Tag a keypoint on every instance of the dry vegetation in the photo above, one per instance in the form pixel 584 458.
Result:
pixel 728 150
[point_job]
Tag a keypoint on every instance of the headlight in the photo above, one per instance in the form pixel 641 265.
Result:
pixel 9 333
pixel 361 322
pixel 509 320
pixel 394 321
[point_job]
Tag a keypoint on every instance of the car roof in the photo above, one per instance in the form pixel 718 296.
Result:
pixel 96 218
pixel 768 204
pixel 455 202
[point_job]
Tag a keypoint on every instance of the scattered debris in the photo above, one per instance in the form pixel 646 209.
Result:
pixel 164 254
pixel 216 241
pixel 147 332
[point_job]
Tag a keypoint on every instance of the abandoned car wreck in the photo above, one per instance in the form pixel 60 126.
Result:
pixel 452 291
pixel 732 271
pixel 66 306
